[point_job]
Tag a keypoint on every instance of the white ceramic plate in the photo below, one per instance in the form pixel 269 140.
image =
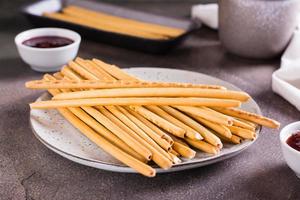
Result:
pixel 61 137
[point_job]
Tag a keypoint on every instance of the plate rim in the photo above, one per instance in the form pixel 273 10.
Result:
pixel 176 167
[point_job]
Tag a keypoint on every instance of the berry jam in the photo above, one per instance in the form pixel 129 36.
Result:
pixel 294 141
pixel 48 42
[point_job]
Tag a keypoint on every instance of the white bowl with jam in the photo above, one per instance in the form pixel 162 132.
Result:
pixel 47 49
pixel 290 144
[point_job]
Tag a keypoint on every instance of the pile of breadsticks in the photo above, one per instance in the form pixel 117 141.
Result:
pixel 139 121
pixel 110 23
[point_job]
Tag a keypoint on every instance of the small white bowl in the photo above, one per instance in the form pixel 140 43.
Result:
pixel 291 155
pixel 47 59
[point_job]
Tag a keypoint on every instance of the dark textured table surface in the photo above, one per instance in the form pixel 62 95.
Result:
pixel 28 170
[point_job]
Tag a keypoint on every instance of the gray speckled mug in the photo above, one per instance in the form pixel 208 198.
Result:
pixel 257 28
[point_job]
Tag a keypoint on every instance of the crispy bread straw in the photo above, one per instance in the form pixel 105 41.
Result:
pixel 206 114
pixel 159 121
pixel 104 144
pixel 247 122
pixel 68 72
pixel 108 83
pixel 82 71
pixel 239 123
pixel 244 133
pixel 183 150
pixel 104 74
pixel 121 75
pixel 174 152
pixel 112 26
pixel 159 156
pixel 219 128
pixel 190 133
pixel 106 133
pixel 234 139
pixel 159 153
pixel 123 135
pixel 98 127
pixel 114 71
pixel 122 123
pixel 127 23
pixel 152 134
pixel 57 75
pixel 162 143
pixel 134 101
pixel 175 158
pixel 203 146
pixel 206 134
pixel 107 146
pixel 152 126
pixel 101 26
pixel 168 126
pixel 90 66
pixel 151 92
pixel 252 117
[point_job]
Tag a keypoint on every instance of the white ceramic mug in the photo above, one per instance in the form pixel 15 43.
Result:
pixel 257 28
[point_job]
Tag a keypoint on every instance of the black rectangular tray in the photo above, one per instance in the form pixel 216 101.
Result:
pixel 34 14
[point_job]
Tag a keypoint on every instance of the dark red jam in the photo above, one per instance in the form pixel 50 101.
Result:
pixel 294 141
pixel 48 42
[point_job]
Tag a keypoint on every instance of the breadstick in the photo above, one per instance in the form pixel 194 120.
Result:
pixel 82 71
pixel 190 133
pixel 203 146
pixel 175 159
pixel 121 75
pixel 244 133
pixel 174 152
pixel 157 151
pixel 159 121
pixel 206 114
pixel 127 23
pixel 98 127
pixel 106 133
pixel 101 26
pixel 93 68
pixel 135 101
pixel 252 117
pixel 236 122
pixel 219 128
pixel 113 26
pixel 159 139
pixel 107 146
pixel 234 139
pixel 95 84
pixel 151 92
pixel 159 156
pixel 151 134
pixel 183 150
pixel 206 134
pixel 247 122
pixel 242 124
pixel 152 126
pixel 114 71
pixel 66 71
pixel 58 76
pixel 138 147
